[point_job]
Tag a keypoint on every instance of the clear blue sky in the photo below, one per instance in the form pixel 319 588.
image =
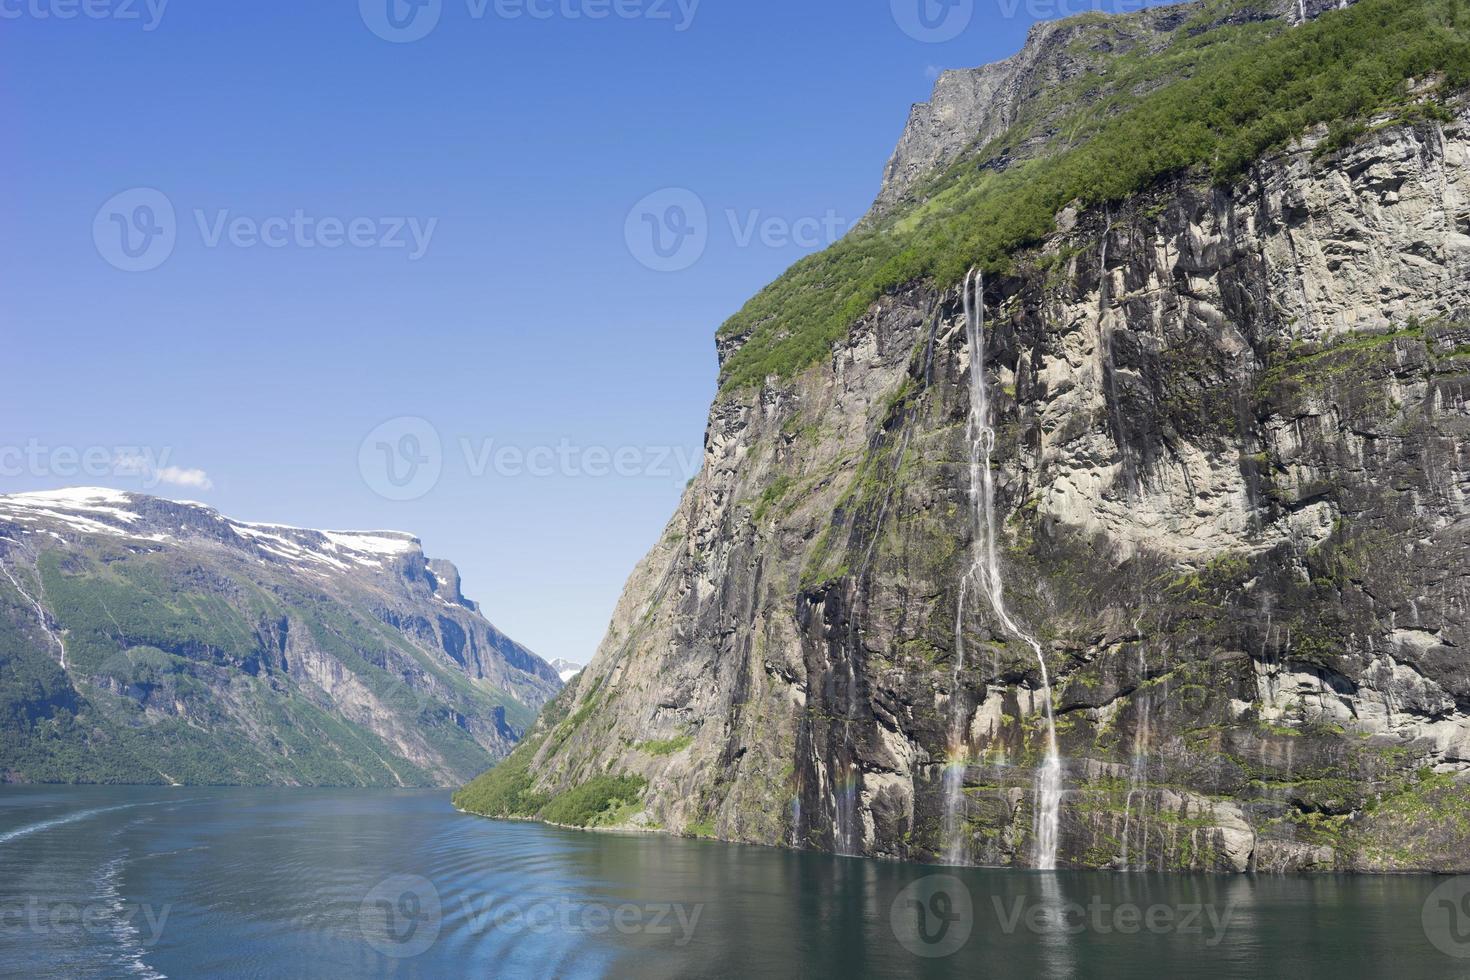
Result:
pixel 517 146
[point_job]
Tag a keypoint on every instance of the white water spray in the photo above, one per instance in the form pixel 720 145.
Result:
pixel 40 614
pixel 1138 773
pixel 985 570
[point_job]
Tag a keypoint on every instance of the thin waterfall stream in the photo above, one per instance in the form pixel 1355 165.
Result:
pixel 985 570
pixel 40 614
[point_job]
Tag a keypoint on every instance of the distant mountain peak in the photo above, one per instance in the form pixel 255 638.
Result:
pixel 166 637
pixel 566 669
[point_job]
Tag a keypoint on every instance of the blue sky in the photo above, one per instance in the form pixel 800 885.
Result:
pixel 369 232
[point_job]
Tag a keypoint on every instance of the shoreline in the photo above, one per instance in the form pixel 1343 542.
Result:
pixel 1223 875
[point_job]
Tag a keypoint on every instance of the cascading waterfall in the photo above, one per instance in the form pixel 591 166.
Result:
pixel 40 614
pixel 1138 773
pixel 985 571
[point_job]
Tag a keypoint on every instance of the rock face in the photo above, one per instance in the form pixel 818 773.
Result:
pixel 971 108
pixel 143 640
pixel 1231 504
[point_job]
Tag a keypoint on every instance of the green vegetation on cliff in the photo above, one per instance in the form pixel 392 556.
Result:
pixel 1243 89
pixel 506 792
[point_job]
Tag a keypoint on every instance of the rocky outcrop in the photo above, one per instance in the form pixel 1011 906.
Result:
pixel 144 640
pixel 1023 99
pixel 1230 505
pixel 1229 459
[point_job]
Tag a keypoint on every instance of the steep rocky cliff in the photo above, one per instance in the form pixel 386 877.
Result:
pixel 143 640
pixel 1217 456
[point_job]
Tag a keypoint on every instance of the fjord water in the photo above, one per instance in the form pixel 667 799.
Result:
pixel 106 882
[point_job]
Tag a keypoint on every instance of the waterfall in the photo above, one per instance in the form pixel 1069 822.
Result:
pixel 40 614
pixel 1138 773
pixel 986 572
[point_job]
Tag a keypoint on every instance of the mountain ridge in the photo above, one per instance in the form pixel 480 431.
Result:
pixel 163 616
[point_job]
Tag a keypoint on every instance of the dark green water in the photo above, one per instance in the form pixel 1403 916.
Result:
pixel 261 883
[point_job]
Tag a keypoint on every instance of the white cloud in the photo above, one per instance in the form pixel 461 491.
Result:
pixel 198 479
pixel 149 467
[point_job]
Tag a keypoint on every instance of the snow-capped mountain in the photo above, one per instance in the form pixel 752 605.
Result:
pixel 566 669
pixel 145 639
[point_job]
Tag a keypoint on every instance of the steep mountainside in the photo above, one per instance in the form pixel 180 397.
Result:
pixel 143 640
pixel 1121 520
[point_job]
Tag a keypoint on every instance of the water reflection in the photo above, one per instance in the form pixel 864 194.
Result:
pixel 398 884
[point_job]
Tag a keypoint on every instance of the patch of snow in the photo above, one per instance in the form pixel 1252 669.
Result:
pixel 283 546
pixel 66 506
pixel 77 496
pixel 74 521
pixel 374 542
